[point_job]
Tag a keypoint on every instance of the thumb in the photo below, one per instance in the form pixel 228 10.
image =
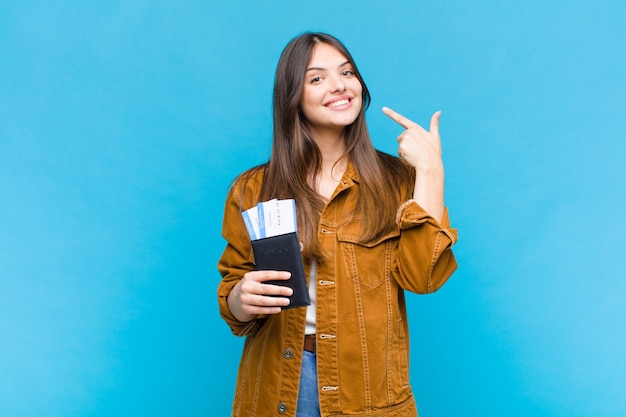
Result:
pixel 434 123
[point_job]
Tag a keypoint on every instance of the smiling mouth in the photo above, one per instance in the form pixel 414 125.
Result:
pixel 338 103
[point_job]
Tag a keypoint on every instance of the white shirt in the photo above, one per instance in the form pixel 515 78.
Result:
pixel 309 327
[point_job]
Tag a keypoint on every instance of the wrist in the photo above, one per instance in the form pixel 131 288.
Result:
pixel 430 171
pixel 234 305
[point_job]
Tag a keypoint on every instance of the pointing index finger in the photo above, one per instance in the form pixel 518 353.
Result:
pixel 398 118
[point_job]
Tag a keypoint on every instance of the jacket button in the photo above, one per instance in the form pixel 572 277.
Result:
pixel 282 407
pixel 288 354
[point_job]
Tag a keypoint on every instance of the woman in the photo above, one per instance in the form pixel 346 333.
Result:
pixel 371 226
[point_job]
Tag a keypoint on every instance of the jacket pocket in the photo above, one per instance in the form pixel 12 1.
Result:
pixel 366 263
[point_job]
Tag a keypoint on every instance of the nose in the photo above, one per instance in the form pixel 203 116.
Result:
pixel 338 85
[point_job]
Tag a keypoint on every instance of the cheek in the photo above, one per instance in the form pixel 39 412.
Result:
pixel 357 88
pixel 308 97
pixel 306 107
pixel 310 101
pixel 358 93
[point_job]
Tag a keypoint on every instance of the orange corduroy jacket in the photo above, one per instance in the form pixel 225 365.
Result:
pixel 361 323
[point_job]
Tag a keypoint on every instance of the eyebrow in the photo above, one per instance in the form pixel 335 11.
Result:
pixel 324 69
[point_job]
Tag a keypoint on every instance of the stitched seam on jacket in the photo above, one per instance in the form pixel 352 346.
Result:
pixel 389 411
pixel 401 209
pixel 390 320
pixel 359 301
pixel 258 379
pixel 450 235
pixel 336 310
pixel 433 261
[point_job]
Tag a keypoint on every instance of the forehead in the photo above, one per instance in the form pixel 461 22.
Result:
pixel 326 56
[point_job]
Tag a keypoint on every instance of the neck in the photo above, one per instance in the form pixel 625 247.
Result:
pixel 334 162
pixel 331 144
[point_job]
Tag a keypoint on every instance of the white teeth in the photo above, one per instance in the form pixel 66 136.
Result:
pixel 339 103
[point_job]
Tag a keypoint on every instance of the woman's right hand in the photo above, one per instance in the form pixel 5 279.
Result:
pixel 252 296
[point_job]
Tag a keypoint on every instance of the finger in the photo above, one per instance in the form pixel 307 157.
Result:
pixel 265 289
pixel 434 123
pixel 263 310
pixel 267 275
pixel 254 284
pixel 398 118
pixel 253 301
pixel 274 308
pixel 271 290
pixel 281 275
pixel 277 290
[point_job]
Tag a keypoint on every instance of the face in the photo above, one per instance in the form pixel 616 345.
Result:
pixel 331 96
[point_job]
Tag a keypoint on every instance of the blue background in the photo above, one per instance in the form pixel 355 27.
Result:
pixel 122 124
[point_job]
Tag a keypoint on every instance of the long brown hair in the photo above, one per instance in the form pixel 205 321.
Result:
pixel 296 158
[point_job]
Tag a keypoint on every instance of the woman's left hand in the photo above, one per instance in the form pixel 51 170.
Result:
pixel 419 147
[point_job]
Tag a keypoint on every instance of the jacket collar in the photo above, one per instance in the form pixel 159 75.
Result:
pixel 350 176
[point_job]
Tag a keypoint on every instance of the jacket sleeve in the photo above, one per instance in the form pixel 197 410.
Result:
pixel 425 260
pixel 235 261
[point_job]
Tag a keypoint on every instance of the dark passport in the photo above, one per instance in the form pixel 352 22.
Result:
pixel 282 253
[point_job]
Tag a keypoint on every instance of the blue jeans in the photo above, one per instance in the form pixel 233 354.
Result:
pixel 308 400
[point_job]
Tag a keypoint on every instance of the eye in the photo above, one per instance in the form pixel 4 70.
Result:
pixel 347 73
pixel 315 80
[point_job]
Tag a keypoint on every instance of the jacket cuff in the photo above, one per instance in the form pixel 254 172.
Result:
pixel 238 328
pixel 410 214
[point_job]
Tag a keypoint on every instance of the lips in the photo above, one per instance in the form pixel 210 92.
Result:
pixel 338 102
